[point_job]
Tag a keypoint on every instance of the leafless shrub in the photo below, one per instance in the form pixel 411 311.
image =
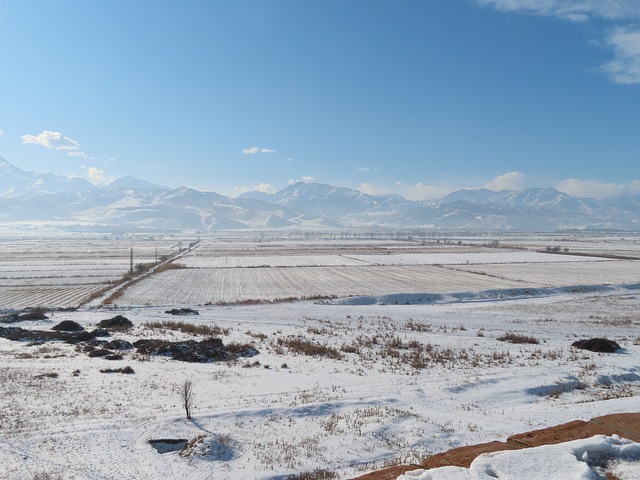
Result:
pixel 317 474
pixel 257 336
pixel 349 348
pixel 417 326
pixel 512 337
pixel 168 266
pixel 190 328
pixel 307 347
pixel 188 396
pixel 319 331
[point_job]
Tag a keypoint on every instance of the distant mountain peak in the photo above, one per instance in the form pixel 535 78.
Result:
pixel 136 183
pixel 133 203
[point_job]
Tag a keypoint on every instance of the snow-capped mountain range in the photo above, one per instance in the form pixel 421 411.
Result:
pixel 133 203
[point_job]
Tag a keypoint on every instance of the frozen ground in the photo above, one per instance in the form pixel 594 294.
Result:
pixel 386 384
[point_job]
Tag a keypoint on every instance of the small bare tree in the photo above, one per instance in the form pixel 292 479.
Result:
pixel 188 396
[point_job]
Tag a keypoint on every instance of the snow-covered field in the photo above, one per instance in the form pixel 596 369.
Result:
pixel 63 270
pixel 209 277
pixel 340 388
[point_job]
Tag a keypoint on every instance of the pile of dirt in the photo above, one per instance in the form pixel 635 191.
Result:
pixel 104 349
pixel 89 342
pixel 30 314
pixel 182 311
pixel 68 326
pixel 18 334
pixel 119 344
pixel 116 323
pixel 209 350
pixel 602 345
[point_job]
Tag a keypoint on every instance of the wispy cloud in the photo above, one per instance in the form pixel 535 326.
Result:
pixel 254 150
pixel 52 140
pixel 596 189
pixel 255 187
pixel 304 179
pixel 573 10
pixel 1 133
pixel 506 181
pixel 623 36
pixel 625 66
pixel 367 169
pixel 78 154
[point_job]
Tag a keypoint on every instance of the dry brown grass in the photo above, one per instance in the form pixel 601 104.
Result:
pixel 308 347
pixel 512 337
pixel 189 328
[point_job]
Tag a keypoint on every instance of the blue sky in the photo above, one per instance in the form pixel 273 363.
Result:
pixel 417 97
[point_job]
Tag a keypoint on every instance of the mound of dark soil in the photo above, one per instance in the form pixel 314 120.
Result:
pixel 603 345
pixel 182 311
pixel 125 370
pixel 34 314
pixel 209 350
pixel 118 345
pixel 68 326
pixel 100 352
pixel 11 318
pixel 116 323
pixel 23 335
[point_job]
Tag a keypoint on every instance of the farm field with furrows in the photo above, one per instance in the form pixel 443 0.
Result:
pixel 272 272
pixel 62 271
pixel 563 273
pixel 236 285
pixel 626 246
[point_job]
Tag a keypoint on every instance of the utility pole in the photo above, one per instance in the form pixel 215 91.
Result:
pixel 131 260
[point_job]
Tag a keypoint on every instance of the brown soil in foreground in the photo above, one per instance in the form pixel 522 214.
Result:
pixel 626 425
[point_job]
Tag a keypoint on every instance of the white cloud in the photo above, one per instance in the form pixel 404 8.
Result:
pixel 52 140
pixel 506 181
pixel 596 189
pixel 624 40
pixel 1 133
pixel 367 169
pixel 625 66
pixel 254 150
pixel 255 187
pixel 573 10
pixel 304 179
pixel 98 177
pixel 264 187
pixel 78 154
